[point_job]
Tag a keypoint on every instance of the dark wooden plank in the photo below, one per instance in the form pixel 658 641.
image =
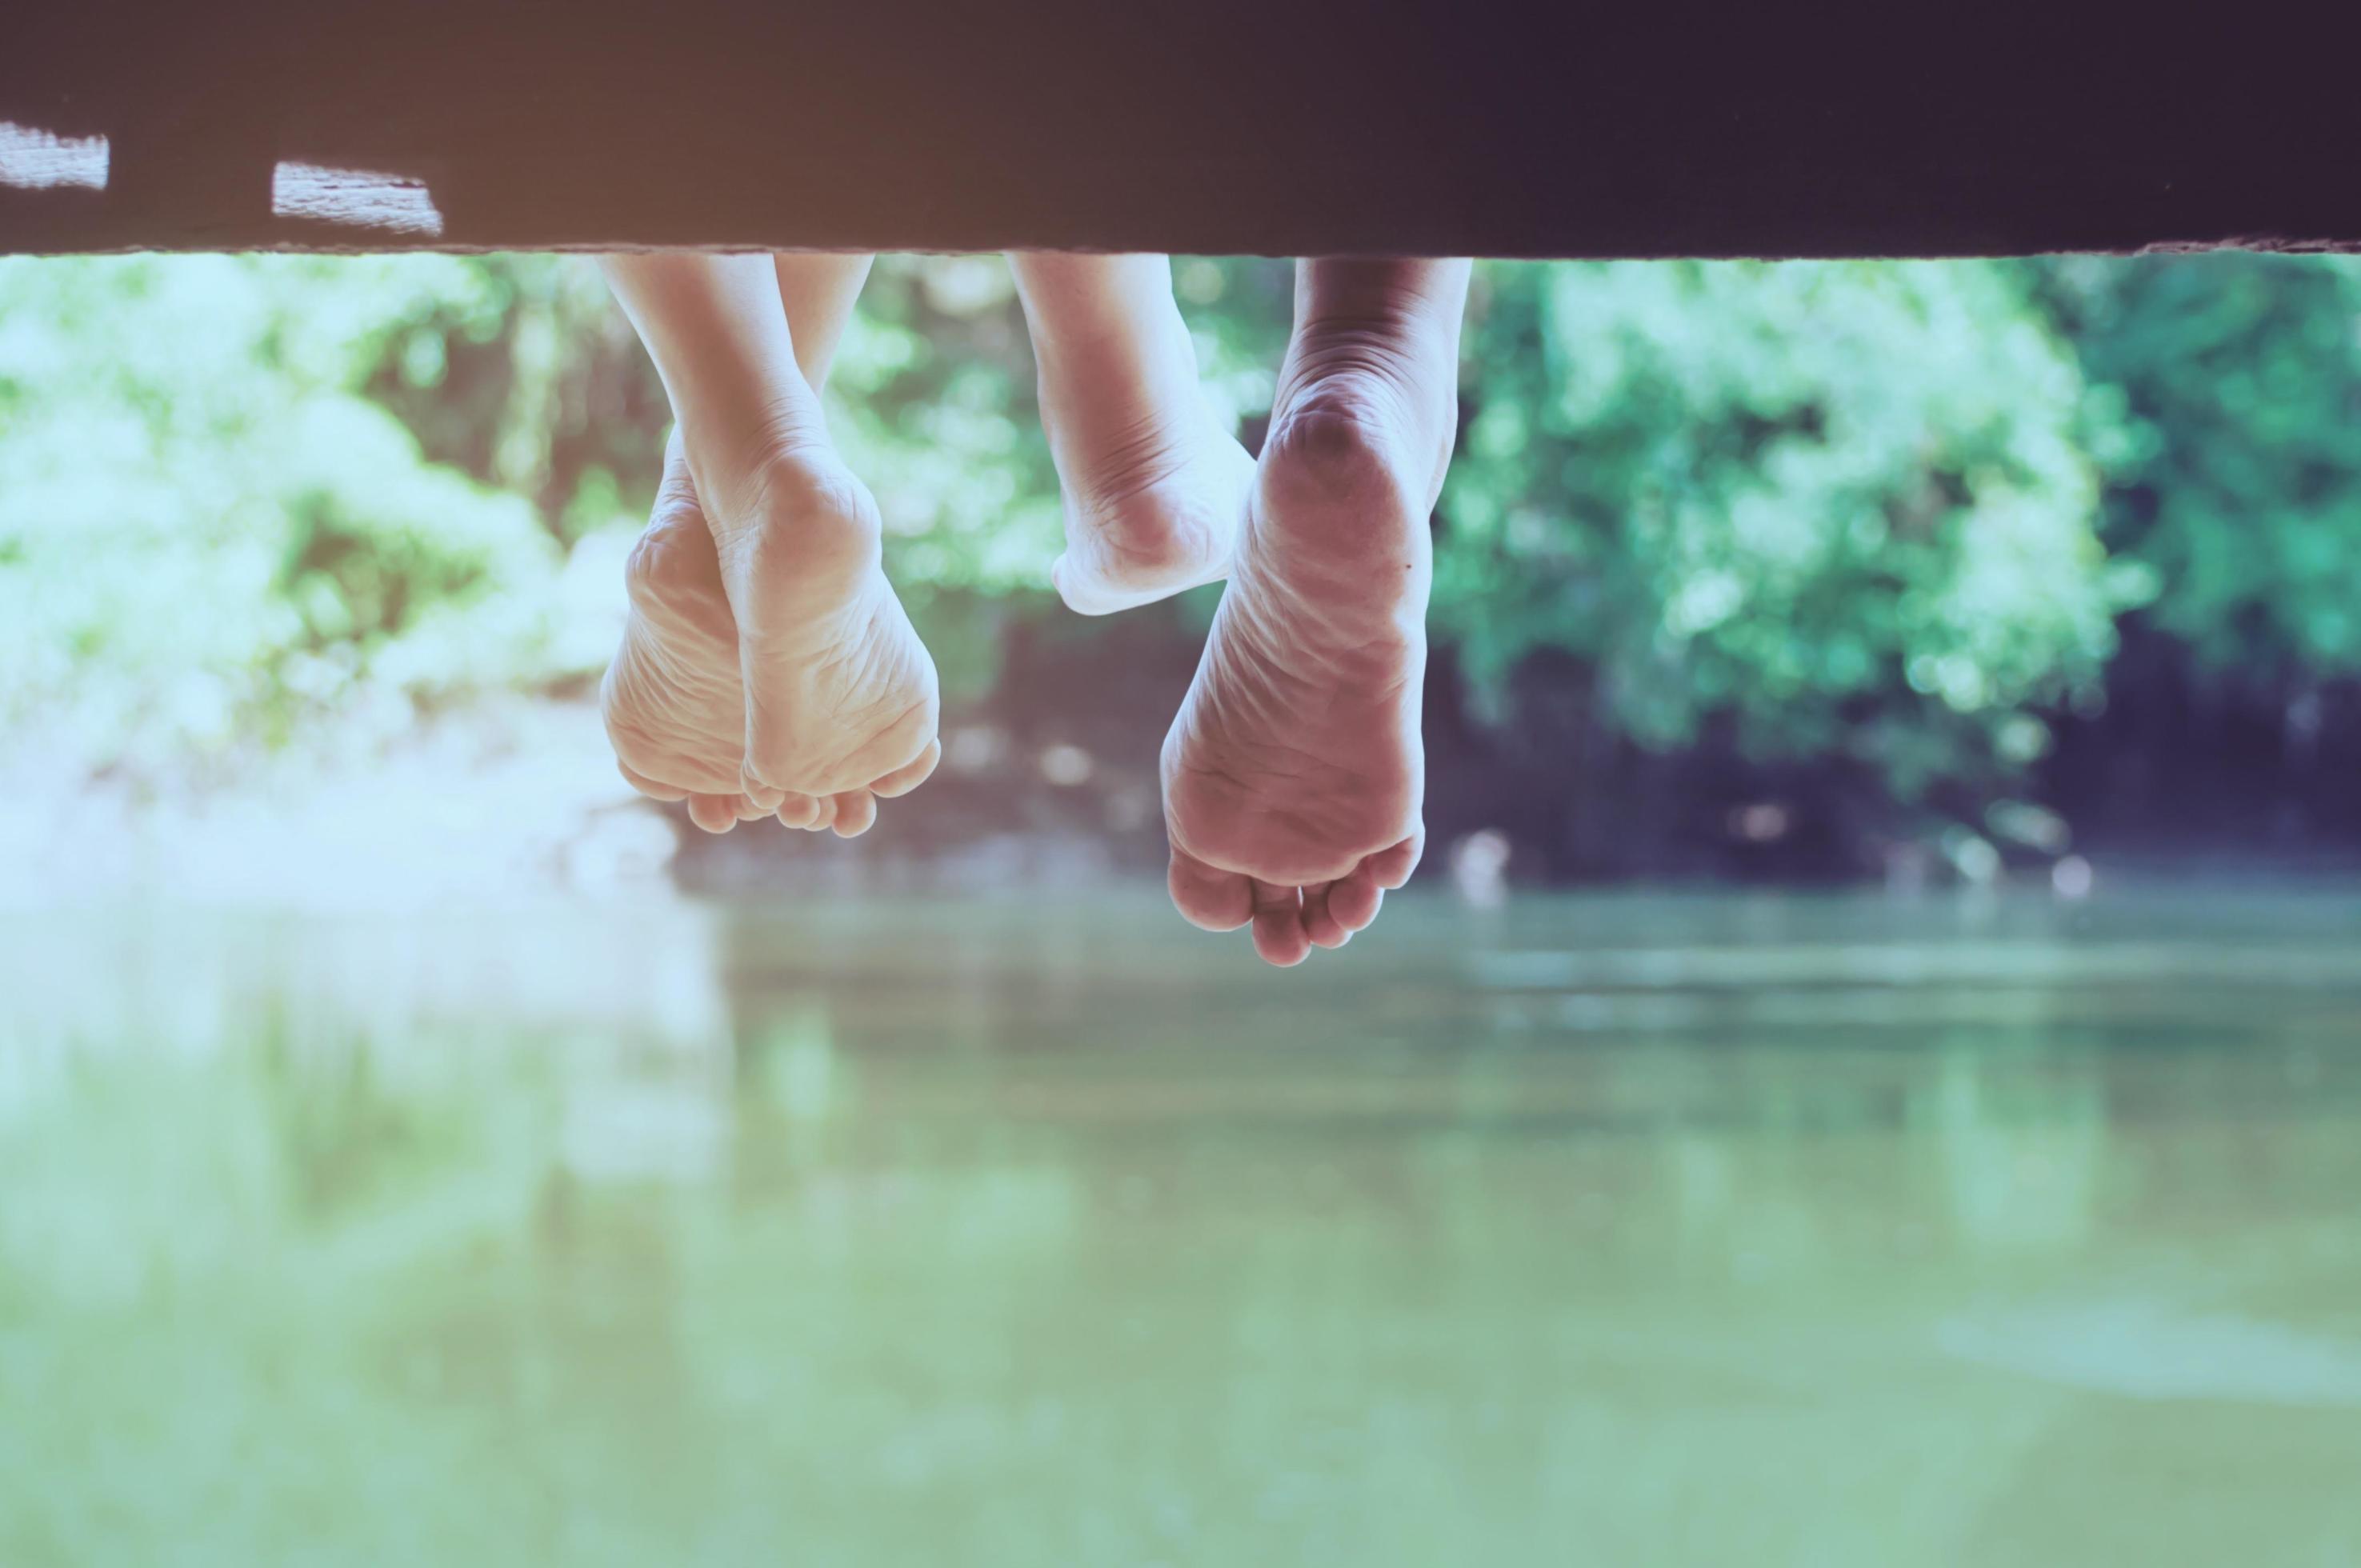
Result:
pixel 1290 129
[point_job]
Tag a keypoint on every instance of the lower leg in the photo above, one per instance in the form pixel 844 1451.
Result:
pixel 1153 484
pixel 1108 325
pixel 818 291
pixel 719 337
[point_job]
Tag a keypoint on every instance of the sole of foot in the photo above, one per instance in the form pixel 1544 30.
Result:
pixel 1294 775
pixel 811 705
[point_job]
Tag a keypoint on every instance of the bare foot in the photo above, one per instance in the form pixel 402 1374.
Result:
pixel 1294 775
pixel 810 714
pixel 1151 512
pixel 1155 485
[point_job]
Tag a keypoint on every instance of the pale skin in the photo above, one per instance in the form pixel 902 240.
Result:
pixel 768 670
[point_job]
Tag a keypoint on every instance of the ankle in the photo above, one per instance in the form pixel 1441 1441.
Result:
pixel 1122 439
pixel 738 455
pixel 1389 383
pixel 1097 387
pixel 1128 454
pixel 795 514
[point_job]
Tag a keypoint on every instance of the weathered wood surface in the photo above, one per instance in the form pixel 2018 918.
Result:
pixel 1285 128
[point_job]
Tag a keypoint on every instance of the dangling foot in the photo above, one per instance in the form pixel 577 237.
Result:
pixel 1151 512
pixel 1294 775
pixel 1155 485
pixel 824 705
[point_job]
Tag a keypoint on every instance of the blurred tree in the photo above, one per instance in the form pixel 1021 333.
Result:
pixel 1846 515
pixel 208 534
pixel 2233 383
pixel 1841 506
pixel 2230 387
pixel 518 370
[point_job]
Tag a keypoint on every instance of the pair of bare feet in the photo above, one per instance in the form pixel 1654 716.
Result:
pixel 767 668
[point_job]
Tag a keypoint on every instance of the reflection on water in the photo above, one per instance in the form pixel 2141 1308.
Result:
pixel 1622 1231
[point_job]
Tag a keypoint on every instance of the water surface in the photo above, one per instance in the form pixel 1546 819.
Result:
pixel 1618 1230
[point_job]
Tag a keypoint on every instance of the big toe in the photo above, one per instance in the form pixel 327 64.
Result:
pixel 1208 898
pixel 910 775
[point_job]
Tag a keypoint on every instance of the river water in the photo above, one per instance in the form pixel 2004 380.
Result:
pixel 1699 1229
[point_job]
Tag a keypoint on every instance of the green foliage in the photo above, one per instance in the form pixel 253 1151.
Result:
pixel 932 402
pixel 1839 505
pixel 210 533
pixel 2236 383
pixel 934 407
pixel 1846 511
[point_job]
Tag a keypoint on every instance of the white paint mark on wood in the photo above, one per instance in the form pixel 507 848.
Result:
pixel 354 198
pixel 34 159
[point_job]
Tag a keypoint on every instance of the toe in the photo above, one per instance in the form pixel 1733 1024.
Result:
pixel 823 813
pixel 648 786
pixel 1279 933
pixel 1320 923
pixel 1353 901
pixel 797 810
pixel 1392 866
pixel 750 810
pixel 714 813
pixel 766 797
pixel 856 813
pixel 1208 899
pixel 910 775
